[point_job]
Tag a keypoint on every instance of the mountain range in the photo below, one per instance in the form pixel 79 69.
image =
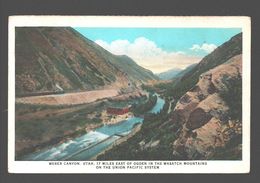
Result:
pixel 202 115
pixel 175 73
pixel 60 58
pixel 167 75
pixel 205 117
pixel 220 55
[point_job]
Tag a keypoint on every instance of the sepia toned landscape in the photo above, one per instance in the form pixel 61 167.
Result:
pixel 80 97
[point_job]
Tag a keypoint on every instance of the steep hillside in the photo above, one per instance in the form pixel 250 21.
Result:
pixel 51 59
pixel 210 115
pixel 201 118
pixel 185 71
pixel 220 55
pixel 205 123
pixel 169 74
pixel 174 74
pixel 180 85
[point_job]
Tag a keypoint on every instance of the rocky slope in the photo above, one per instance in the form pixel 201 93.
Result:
pixel 221 54
pixel 201 118
pixel 53 59
pixel 206 129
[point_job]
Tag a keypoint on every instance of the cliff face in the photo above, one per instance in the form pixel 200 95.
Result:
pixel 50 59
pixel 206 129
pixel 205 123
pixel 220 55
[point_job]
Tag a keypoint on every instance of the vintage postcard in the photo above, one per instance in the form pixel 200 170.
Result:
pixel 119 94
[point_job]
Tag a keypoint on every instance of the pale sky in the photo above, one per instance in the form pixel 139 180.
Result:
pixel 160 49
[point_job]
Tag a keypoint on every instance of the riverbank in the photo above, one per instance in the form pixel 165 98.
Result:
pixel 68 98
pixel 40 126
pixel 67 137
pixel 86 145
pixel 110 119
pixel 119 141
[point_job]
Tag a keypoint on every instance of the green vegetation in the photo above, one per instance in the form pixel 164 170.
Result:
pixel 91 72
pixel 142 108
pixel 64 70
pixel 36 107
pixel 231 151
pixel 233 97
pixel 131 69
pixel 45 56
pixel 51 127
pixel 180 86
pixel 36 129
pixel 156 127
pixel 172 90
pixel 159 127
pixel 149 89
pixel 179 90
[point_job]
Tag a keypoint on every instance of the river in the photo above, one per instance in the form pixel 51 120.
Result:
pixel 158 106
pixel 90 144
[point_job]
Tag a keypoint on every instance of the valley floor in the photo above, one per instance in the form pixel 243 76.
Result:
pixel 41 125
pixel 69 98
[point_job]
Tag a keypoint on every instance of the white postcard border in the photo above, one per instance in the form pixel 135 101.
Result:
pixel 237 166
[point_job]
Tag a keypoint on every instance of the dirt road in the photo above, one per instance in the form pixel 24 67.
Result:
pixel 68 98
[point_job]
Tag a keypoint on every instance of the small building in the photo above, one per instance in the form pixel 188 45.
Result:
pixel 117 111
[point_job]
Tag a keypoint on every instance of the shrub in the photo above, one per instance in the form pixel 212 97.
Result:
pixel 232 95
